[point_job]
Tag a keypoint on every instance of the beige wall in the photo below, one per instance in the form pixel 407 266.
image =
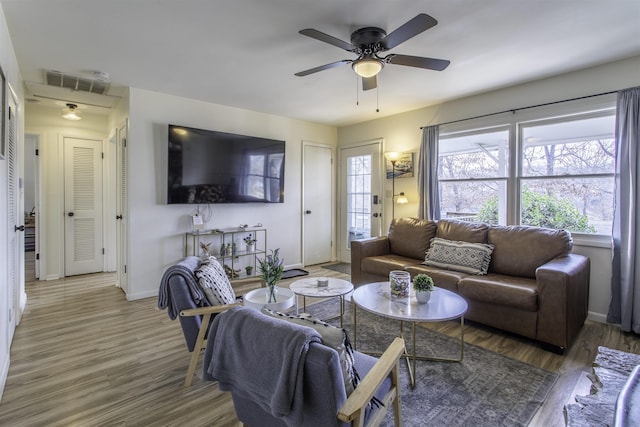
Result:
pixel 402 132
pixel 156 230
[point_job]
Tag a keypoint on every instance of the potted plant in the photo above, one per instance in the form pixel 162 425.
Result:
pixel 271 269
pixel 423 285
pixel 249 270
pixel 250 241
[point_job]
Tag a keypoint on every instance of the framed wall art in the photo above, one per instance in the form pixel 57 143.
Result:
pixel 403 168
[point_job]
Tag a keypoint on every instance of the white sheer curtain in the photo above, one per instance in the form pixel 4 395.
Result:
pixel 429 204
pixel 625 278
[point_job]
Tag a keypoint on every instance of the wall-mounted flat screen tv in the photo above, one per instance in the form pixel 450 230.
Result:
pixel 206 166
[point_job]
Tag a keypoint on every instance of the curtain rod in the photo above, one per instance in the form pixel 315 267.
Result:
pixel 513 110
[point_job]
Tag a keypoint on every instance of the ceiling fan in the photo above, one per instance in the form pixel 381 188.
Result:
pixel 368 42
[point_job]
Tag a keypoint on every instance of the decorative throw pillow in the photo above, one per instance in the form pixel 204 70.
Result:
pixel 214 282
pixel 472 258
pixel 333 337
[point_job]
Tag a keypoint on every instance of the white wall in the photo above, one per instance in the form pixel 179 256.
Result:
pixel 402 132
pixel 9 65
pixel 156 230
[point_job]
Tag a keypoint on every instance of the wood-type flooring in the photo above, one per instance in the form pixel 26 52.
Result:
pixel 85 356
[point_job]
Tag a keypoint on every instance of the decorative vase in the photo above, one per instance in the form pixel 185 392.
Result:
pixel 399 283
pixel 272 292
pixel 423 297
pixel 251 247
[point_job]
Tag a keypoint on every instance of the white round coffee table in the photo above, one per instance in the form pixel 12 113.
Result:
pixel 310 287
pixel 258 299
pixel 443 305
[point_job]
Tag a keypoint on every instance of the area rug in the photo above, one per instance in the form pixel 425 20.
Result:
pixel 485 389
pixel 294 272
pixel 340 267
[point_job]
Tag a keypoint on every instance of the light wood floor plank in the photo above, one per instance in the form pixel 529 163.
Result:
pixel 83 355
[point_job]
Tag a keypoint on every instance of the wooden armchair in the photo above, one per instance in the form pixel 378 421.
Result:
pixel 323 400
pixel 180 295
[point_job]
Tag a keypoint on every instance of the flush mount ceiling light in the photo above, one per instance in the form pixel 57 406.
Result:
pixel 71 112
pixel 367 67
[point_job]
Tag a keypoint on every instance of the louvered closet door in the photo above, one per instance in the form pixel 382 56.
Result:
pixel 83 206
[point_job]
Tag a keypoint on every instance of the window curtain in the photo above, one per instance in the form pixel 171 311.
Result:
pixel 429 204
pixel 625 278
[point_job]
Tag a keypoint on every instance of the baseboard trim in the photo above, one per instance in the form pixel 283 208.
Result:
pixel 597 317
pixel 4 374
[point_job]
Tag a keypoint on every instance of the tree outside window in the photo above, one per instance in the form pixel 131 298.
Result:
pixel 565 174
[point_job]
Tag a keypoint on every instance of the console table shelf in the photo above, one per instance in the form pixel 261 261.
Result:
pixel 228 246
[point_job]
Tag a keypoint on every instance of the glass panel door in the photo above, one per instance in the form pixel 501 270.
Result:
pixel 361 201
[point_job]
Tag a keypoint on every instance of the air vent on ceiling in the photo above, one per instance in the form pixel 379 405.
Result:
pixel 60 79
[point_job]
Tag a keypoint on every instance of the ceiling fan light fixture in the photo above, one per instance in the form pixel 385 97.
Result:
pixel 70 112
pixel 367 67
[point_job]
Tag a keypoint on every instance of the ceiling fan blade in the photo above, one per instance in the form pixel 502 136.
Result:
pixel 411 28
pixel 418 61
pixel 323 67
pixel 318 35
pixel 369 83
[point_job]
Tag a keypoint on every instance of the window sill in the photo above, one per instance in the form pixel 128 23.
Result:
pixel 592 240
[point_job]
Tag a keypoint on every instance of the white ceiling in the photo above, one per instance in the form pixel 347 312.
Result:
pixel 244 53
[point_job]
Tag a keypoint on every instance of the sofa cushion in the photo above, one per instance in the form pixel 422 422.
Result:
pixel 447 279
pixel 410 237
pixel 333 337
pixel 472 258
pixel 214 282
pixel 516 292
pixel 383 264
pixel 519 250
pixel 474 232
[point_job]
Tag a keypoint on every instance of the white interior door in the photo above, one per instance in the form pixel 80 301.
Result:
pixel 84 251
pixel 361 194
pixel 317 203
pixel 15 234
pixel 121 208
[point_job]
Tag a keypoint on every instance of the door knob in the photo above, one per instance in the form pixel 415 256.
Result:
pixel 307 211
pixel 70 214
pixel 376 215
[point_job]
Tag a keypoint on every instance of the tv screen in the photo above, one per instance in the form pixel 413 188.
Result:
pixel 207 166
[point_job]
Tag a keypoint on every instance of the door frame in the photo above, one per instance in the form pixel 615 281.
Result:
pixel 342 238
pixel 333 198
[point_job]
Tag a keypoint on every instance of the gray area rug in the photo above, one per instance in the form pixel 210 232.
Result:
pixel 341 267
pixel 485 389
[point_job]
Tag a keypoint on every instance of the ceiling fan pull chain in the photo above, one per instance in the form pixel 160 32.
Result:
pixel 357 93
pixel 377 99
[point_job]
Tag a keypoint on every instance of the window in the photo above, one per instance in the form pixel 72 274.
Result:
pixel 567 174
pixel 472 171
pixel 559 173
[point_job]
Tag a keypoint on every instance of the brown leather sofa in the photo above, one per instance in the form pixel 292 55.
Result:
pixel 535 286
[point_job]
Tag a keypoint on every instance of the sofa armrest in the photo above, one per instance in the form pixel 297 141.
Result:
pixel 361 249
pixel 563 298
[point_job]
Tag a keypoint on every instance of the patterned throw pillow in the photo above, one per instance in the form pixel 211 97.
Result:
pixel 472 258
pixel 333 337
pixel 214 282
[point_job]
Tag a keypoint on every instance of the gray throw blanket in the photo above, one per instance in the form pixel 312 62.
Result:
pixel 185 269
pixel 265 365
